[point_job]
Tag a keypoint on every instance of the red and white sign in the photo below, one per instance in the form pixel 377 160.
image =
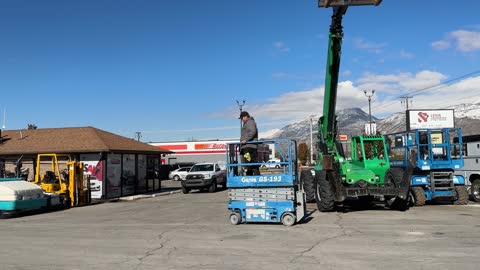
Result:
pixel 195 148
pixel 342 137
pixel 422 119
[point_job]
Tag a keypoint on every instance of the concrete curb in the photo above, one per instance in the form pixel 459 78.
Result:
pixel 144 196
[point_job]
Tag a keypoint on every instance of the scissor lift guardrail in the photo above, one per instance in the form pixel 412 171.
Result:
pixel 273 196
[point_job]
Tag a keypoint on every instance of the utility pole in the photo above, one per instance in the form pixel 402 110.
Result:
pixel 240 106
pixel 405 100
pixel 369 107
pixel 138 134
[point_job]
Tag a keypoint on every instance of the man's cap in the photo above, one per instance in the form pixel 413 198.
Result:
pixel 244 113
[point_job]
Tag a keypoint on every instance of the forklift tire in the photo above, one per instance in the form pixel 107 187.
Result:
pixel 324 192
pixel 185 190
pixel 66 203
pixel 288 219
pixel 213 187
pixel 418 194
pixel 461 195
pixel 475 190
pixel 235 218
pixel 307 180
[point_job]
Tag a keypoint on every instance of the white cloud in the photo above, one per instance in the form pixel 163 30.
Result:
pixel 463 40
pixel 298 105
pixel 369 46
pixel 406 55
pixel 281 46
pixel 467 41
pixel 403 82
pixel 441 44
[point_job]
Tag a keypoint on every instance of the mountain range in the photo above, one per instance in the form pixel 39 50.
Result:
pixel 352 122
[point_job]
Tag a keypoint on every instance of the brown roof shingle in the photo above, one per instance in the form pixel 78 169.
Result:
pixel 70 140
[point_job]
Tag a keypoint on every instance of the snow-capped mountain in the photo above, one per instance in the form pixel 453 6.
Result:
pixel 352 122
pixel 471 111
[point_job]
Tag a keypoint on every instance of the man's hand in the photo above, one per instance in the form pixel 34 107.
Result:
pixel 244 142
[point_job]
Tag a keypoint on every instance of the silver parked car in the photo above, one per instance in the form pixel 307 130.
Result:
pixel 179 174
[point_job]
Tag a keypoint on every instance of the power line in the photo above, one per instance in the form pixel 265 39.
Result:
pixel 428 89
pixel 443 84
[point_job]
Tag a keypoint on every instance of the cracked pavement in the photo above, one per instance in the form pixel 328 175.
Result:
pixel 192 231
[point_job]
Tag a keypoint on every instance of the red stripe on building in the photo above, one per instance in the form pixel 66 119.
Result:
pixel 200 152
pixel 173 146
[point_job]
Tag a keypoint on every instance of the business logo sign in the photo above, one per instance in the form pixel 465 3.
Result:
pixel 423 119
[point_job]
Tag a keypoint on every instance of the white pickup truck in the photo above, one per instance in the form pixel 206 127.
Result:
pixel 204 176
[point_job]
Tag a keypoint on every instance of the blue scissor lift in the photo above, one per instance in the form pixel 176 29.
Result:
pixel 274 196
pixel 436 157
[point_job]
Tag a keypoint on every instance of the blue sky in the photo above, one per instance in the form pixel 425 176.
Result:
pixel 174 69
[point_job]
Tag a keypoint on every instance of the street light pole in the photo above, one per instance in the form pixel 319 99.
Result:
pixel 369 108
pixel 240 106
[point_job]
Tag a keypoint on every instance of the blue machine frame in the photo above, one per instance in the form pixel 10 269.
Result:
pixel 435 154
pixel 273 196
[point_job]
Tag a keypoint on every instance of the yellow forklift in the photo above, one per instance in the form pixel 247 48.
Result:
pixel 67 187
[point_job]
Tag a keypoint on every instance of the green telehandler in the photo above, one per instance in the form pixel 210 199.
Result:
pixel 366 177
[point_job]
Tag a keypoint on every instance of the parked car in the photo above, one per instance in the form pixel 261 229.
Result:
pixel 272 163
pixel 95 184
pixel 179 174
pixel 204 176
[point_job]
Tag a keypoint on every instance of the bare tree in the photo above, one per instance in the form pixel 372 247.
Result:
pixel 303 153
pixel 32 126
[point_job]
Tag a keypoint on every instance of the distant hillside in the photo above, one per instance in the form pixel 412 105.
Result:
pixel 352 122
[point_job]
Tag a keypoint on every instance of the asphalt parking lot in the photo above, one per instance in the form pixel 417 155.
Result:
pixel 192 231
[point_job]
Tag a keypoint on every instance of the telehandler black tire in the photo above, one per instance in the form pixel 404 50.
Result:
pixel 418 194
pixel 461 197
pixel 324 192
pixel 399 178
pixel 307 179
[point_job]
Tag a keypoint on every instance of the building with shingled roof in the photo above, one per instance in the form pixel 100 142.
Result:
pixel 115 165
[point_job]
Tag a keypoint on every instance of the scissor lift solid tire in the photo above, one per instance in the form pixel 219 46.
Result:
pixel 418 194
pixel 288 219
pixel 461 197
pixel 235 218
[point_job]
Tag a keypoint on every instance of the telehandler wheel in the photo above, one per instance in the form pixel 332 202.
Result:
pixel 324 192
pixel 399 178
pixel 288 219
pixel 461 195
pixel 307 180
pixel 235 218
pixel 418 194
pixel 475 190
